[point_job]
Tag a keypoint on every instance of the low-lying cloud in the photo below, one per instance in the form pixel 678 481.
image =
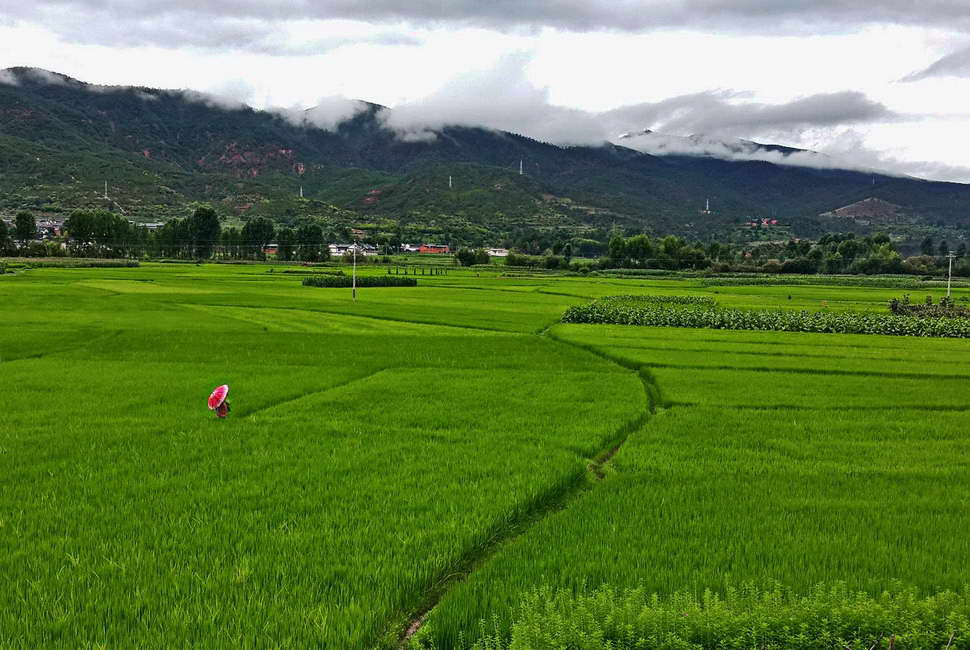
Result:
pixel 503 98
pixel 955 64
pixel 716 123
pixel 327 113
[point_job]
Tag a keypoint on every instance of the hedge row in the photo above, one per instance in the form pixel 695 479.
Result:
pixel 883 282
pixel 363 281
pixel 609 310
pixel 70 263
pixel 706 301
pixel 828 617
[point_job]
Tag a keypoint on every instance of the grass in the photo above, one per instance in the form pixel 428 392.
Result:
pixel 365 459
pixel 379 450
pixel 773 463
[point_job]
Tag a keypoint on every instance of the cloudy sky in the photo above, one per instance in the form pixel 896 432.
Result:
pixel 873 84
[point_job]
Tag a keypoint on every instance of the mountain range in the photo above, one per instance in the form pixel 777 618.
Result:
pixel 160 151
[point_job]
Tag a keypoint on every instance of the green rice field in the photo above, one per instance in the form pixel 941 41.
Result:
pixel 426 459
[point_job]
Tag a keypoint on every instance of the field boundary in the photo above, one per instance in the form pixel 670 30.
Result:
pixel 288 400
pixel 554 500
pixel 352 315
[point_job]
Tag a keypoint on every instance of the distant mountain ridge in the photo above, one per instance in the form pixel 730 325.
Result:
pixel 161 150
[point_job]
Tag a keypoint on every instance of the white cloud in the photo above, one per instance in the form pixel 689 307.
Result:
pixel 327 112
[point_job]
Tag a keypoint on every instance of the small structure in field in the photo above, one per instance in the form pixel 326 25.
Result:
pixel 434 249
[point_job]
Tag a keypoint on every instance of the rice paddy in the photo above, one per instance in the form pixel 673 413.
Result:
pixel 440 452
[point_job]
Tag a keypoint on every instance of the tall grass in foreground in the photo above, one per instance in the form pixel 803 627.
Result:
pixel 748 617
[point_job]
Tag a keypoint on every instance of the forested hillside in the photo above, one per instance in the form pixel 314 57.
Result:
pixel 160 151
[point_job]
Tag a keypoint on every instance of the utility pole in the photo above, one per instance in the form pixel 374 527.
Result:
pixel 354 281
pixel 449 182
pixel 949 276
pixel 520 166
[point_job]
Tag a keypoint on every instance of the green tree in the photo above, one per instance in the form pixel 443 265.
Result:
pixel 567 251
pixel 465 256
pixel 80 232
pixel 256 234
pixel 285 244
pixel 617 248
pixel 639 248
pixel 25 228
pixel 850 249
pixel 927 247
pixel 962 249
pixel 944 248
pixel 231 242
pixel 205 231
pixel 4 236
pixel 310 240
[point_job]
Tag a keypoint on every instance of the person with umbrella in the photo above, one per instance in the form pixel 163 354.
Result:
pixel 218 401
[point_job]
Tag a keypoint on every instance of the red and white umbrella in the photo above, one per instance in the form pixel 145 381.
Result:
pixel 218 396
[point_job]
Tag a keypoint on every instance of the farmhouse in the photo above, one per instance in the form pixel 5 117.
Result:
pixel 498 252
pixel 362 249
pixel 434 249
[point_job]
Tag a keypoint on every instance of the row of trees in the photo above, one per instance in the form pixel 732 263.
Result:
pixel 833 253
pixel 100 233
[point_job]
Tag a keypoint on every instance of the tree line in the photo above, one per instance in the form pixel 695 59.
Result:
pixel 100 233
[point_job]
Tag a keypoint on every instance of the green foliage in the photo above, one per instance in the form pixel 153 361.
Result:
pixel 946 308
pixel 25 228
pixel 5 243
pixel 362 281
pixel 100 233
pixel 469 257
pixel 622 311
pixel 829 281
pixel 256 234
pixel 204 230
pixel 85 263
pixel 746 617
pixel 311 246
pixel 285 243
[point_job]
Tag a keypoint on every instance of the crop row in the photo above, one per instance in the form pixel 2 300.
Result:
pixel 748 617
pixel 705 301
pixel 345 281
pixel 624 312
pixel 885 282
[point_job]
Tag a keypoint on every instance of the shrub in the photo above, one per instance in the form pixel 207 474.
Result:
pixel 75 263
pixel 518 259
pixel 333 281
pixel 946 308
pixel 469 257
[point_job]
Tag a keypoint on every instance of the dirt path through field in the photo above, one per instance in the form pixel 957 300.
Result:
pixel 559 499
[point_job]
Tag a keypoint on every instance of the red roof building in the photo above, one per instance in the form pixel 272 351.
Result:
pixel 433 249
